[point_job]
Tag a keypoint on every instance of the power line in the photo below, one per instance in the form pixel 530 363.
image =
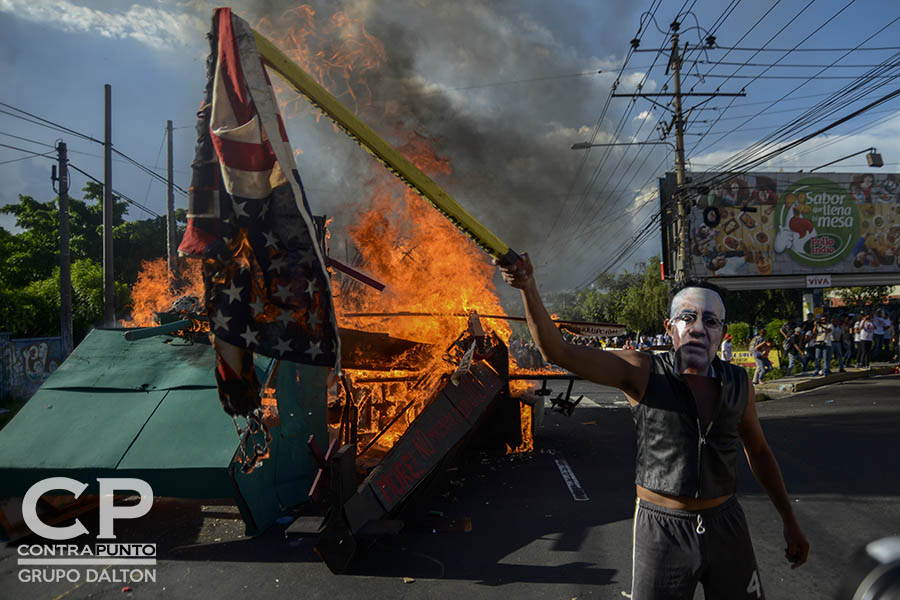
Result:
pixel 48 155
pixel 600 216
pixel 117 193
pixel 158 153
pixel 21 149
pixel 793 90
pixel 24 139
pixel 791 65
pixel 781 150
pixel 51 123
pixel 654 6
pixel 755 77
pixel 857 49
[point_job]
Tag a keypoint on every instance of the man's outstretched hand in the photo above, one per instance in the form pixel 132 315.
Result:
pixel 519 275
pixel 797 548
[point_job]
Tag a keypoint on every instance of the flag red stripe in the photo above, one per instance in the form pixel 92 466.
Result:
pixel 281 129
pixel 230 63
pixel 244 155
pixel 196 240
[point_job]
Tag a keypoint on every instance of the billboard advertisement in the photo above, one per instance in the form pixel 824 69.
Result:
pixel 791 223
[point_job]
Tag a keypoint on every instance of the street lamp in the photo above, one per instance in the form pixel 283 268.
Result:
pixel 872 157
pixel 586 145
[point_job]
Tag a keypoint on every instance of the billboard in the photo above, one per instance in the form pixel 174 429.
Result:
pixel 789 224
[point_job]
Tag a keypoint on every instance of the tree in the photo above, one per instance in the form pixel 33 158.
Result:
pixel 645 303
pixel 761 306
pixel 869 295
pixel 29 261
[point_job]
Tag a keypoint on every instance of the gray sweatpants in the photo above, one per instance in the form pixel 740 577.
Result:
pixel 673 550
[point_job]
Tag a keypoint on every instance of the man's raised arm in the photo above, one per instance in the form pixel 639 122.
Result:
pixel 627 370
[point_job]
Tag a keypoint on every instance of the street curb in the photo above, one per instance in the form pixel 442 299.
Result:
pixel 778 389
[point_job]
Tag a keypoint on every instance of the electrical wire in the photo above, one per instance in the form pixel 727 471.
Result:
pixel 603 215
pixel 816 110
pixel 654 6
pixel 21 158
pixel 24 139
pixel 117 193
pixel 37 120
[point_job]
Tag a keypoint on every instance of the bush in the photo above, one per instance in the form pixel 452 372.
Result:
pixel 740 333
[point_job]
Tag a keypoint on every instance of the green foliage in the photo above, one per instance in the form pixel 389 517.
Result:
pixel 33 311
pixel 644 305
pixel 864 296
pixel 29 261
pixel 740 334
pixel 773 330
pixel 637 300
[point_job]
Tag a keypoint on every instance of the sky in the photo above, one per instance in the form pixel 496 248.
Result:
pixel 500 89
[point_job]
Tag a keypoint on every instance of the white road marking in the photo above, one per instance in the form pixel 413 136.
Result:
pixel 617 403
pixel 570 480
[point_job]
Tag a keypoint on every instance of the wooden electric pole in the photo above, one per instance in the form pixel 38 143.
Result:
pixel 109 289
pixel 682 267
pixel 65 260
pixel 682 200
pixel 170 206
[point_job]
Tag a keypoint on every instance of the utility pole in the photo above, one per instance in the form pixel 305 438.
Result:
pixel 170 206
pixel 109 290
pixel 682 267
pixel 682 261
pixel 65 260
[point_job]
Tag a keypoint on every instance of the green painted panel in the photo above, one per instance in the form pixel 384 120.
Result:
pixel 105 359
pixel 284 480
pixel 302 399
pixel 188 430
pixel 73 429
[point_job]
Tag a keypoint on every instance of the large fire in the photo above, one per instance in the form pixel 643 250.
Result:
pixel 429 268
pixel 155 292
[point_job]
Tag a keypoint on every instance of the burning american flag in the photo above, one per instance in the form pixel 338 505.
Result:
pixel 267 289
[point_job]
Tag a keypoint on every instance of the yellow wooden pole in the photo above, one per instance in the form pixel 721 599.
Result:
pixel 373 143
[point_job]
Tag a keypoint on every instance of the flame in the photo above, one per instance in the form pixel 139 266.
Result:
pixel 338 52
pixel 428 266
pixel 526 412
pixel 154 291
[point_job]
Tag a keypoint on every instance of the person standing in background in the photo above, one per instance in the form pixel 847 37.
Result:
pixel 822 332
pixel 847 339
pixel 757 346
pixel 809 345
pixel 879 323
pixel 727 348
pixel 866 334
pixel 837 344
pixel 794 349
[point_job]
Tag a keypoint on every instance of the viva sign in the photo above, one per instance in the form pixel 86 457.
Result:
pixel 817 222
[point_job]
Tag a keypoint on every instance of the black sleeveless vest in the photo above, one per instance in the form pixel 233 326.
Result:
pixel 673 455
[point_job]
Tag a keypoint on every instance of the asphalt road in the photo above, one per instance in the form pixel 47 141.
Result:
pixel 530 537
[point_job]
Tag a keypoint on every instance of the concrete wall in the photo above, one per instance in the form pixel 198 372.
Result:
pixel 26 363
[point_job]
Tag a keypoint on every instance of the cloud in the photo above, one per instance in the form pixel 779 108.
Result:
pixel 154 26
pixel 882 134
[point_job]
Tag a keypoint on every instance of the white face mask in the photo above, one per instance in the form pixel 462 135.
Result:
pixel 697 327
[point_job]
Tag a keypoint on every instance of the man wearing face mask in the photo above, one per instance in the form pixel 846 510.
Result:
pixel 692 413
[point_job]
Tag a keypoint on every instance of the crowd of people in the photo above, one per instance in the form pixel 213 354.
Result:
pixel 527 355
pixel 817 345
pixel 826 342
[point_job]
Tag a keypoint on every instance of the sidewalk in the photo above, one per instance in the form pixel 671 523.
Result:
pixel 784 386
